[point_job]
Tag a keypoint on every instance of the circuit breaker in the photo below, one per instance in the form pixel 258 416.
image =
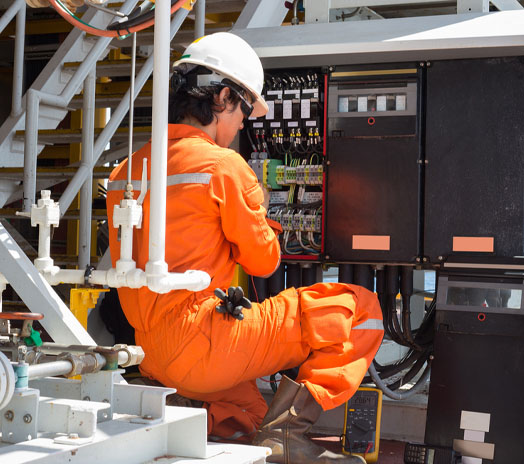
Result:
pixel 285 149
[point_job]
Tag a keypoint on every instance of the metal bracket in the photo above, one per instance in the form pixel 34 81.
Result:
pixel 147 403
pixel 77 419
pixel 99 387
pixel 20 417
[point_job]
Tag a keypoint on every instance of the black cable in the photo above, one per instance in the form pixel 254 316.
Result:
pixel 406 290
pixel 141 14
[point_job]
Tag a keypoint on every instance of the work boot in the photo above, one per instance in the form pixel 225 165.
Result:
pixel 291 414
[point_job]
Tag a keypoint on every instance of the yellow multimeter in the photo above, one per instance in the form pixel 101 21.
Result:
pixel 361 434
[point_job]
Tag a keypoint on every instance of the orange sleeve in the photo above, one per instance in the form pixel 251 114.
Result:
pixel 235 187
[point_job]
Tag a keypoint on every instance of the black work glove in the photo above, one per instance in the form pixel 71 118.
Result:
pixel 233 302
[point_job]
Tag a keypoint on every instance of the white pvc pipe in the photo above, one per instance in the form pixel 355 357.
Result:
pixel 156 266
pixel 44 242
pixel 133 278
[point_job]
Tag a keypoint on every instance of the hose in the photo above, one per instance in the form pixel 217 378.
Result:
pixel 421 382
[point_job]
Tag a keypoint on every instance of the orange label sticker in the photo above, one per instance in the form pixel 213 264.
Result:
pixel 371 242
pixel 474 244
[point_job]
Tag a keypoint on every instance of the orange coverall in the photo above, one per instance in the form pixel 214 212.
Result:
pixel 215 219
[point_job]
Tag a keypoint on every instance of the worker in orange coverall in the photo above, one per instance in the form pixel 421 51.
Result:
pixel 216 219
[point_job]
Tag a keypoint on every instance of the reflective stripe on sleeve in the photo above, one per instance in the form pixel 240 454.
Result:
pixel 370 324
pixel 175 179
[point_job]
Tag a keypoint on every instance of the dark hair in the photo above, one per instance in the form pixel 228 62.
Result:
pixel 187 99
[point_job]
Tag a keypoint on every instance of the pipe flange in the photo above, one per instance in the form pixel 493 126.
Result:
pixel 7 381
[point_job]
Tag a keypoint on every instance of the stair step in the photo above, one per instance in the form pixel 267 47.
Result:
pixel 52 136
pixel 110 68
pixel 142 101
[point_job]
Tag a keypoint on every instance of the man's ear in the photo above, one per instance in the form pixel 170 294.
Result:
pixel 222 97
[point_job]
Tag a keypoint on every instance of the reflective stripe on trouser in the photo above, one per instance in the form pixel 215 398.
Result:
pixel 308 327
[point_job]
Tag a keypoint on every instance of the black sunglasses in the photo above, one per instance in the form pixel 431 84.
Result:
pixel 245 106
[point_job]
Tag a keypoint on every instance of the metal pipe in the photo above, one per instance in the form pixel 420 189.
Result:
pixel 10 13
pixel 157 266
pixel 18 67
pixel 30 148
pixel 117 115
pixel 200 18
pixel 49 369
pixel 131 119
pixel 86 192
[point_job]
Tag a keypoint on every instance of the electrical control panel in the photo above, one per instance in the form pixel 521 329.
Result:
pixel 285 149
pixel 361 434
pixel 373 153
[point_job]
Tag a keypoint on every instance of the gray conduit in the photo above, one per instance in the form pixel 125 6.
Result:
pixel 421 382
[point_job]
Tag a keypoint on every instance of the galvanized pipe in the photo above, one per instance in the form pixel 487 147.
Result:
pixel 200 18
pixel 18 67
pixel 49 369
pixel 117 115
pixel 86 192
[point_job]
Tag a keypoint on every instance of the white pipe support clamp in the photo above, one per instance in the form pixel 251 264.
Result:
pixel 46 212
pixel 128 213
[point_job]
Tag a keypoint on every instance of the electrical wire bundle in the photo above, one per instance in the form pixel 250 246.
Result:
pixel 420 341
pixel 140 18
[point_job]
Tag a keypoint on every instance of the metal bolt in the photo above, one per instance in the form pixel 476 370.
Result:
pixel 440 258
pixel 327 256
pixel 425 259
pixel 328 163
pixel 417 260
pixel 73 435
pixel 9 415
pixel 428 64
pixel 28 418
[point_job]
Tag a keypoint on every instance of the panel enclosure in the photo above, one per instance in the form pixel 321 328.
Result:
pixel 372 189
pixel 474 149
pixel 478 349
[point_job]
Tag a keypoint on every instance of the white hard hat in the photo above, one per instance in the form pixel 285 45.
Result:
pixel 230 57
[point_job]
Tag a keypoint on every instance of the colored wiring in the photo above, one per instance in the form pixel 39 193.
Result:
pixel 71 18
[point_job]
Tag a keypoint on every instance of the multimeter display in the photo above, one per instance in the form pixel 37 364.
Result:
pixel 362 424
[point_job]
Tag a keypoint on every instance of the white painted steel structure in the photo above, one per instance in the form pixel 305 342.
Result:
pixel 390 40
